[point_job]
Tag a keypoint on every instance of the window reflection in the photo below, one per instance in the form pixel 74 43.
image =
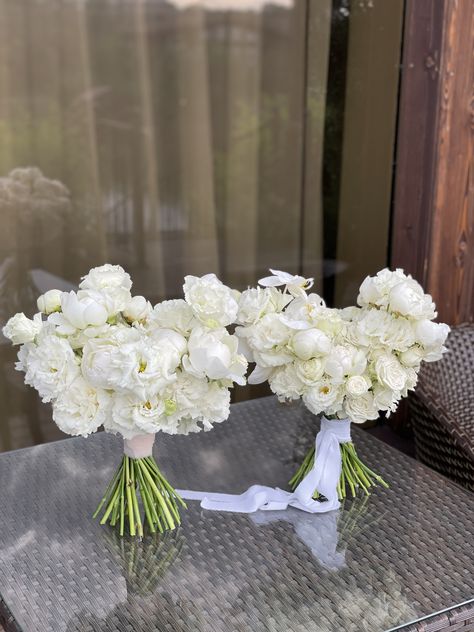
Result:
pixel 175 137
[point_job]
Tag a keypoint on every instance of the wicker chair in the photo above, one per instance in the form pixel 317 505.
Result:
pixel 442 410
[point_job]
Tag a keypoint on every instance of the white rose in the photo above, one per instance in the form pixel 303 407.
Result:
pixel 138 309
pixel 77 313
pixel 20 329
pixel 390 372
pixel 357 385
pixel 49 302
pixel 214 354
pixel 408 298
pixel 323 398
pixel 106 276
pixel 412 357
pixel 431 334
pixel 309 371
pixel 345 360
pixel 49 367
pixel 361 408
pixel 286 384
pixel 310 343
pixel 174 314
pixel 213 303
pixel 81 409
pixel 268 341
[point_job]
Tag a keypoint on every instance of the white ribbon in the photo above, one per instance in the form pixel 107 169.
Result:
pixel 324 477
pixel 139 447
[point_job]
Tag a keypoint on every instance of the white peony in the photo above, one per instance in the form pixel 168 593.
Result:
pixel 408 298
pixel 20 329
pixel 375 290
pixel 132 363
pixel 131 415
pixel 256 302
pixel 81 409
pixel 286 384
pixel 412 357
pixel 113 299
pixel 77 313
pixel 214 354
pixel 174 314
pixel 106 276
pixel 325 397
pixel 344 360
pixel 431 334
pixel 390 373
pixel 385 399
pixel 213 303
pixel 310 343
pixel 138 309
pixel 49 302
pixel 50 367
pixel 357 385
pixel 361 408
pixel 268 340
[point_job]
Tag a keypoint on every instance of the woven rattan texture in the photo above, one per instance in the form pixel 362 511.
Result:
pixel 399 555
pixel 443 409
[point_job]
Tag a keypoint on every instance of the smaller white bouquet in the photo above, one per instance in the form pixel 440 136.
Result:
pixel 103 357
pixel 345 364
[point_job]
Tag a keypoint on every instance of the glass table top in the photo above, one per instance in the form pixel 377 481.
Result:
pixel 378 563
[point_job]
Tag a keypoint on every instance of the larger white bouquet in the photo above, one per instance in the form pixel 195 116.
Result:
pixel 346 364
pixel 103 357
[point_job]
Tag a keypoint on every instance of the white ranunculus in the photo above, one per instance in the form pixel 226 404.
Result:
pixel 81 409
pixel 412 357
pixel 106 276
pixel 375 290
pixel 431 334
pixel 286 384
pixel 360 408
pixel 213 303
pixel 77 313
pixel 390 372
pixel 174 314
pixel 345 360
pixel 408 298
pixel 268 340
pixel 49 367
pixel 325 397
pixel 214 353
pixel 357 385
pixel 310 343
pixel 49 302
pixel 20 329
pixel 309 371
pixel 138 309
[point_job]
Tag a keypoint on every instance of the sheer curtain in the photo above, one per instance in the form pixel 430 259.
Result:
pixel 164 135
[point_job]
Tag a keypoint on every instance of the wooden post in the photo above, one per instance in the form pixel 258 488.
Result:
pixel 433 220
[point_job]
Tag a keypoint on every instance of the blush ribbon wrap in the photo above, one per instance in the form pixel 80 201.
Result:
pixel 324 477
pixel 139 447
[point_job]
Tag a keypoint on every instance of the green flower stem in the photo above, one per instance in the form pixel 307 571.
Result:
pixel 140 480
pixel 354 473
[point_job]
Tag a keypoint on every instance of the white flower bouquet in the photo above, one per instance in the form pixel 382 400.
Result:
pixel 103 357
pixel 346 364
